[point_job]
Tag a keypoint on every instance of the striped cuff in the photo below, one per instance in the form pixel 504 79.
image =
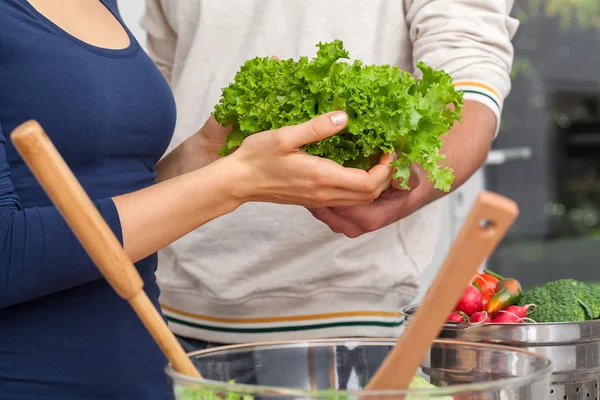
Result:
pixel 484 94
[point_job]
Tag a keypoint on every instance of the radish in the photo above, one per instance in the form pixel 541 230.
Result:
pixel 520 311
pixel 508 317
pixel 456 316
pixel 503 317
pixel 480 317
pixel 470 301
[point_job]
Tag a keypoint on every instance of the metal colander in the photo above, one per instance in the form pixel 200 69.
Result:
pixel 573 349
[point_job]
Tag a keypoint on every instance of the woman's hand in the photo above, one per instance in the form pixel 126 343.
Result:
pixel 268 166
pixel 276 170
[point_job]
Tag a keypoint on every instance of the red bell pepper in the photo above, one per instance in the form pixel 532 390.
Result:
pixel 486 283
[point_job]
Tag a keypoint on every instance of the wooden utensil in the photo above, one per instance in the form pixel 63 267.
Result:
pixel 96 237
pixel 485 226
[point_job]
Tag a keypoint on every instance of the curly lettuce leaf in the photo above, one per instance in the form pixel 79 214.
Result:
pixel 388 109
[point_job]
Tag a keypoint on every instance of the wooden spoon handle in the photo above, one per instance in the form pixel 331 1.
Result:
pixel 485 226
pixel 94 234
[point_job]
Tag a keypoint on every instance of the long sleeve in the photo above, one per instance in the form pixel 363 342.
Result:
pixel 39 254
pixel 161 39
pixel 471 40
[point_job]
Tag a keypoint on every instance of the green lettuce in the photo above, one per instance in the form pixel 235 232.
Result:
pixel 194 393
pixel 418 382
pixel 389 109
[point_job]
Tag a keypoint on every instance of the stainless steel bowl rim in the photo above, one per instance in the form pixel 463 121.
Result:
pixel 255 389
pixel 561 332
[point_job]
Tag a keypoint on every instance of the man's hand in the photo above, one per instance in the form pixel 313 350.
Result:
pixel 466 148
pixel 210 139
pixel 197 151
pixel 391 206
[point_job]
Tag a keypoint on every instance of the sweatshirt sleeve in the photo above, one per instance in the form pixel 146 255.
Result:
pixel 39 254
pixel 161 39
pixel 470 40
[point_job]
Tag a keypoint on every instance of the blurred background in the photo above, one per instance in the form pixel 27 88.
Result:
pixel 547 155
pixel 554 110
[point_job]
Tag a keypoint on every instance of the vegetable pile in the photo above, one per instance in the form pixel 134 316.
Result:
pixel 388 109
pixel 490 298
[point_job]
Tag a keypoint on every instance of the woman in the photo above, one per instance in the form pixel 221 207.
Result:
pixel 74 67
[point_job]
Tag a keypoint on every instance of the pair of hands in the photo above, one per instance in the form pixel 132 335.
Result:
pixel 350 201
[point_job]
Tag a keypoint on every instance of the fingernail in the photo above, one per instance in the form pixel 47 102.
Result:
pixel 338 118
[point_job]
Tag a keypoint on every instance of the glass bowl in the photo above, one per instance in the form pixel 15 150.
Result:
pixel 340 368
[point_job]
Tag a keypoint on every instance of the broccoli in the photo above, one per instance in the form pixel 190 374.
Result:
pixel 565 300
pixel 595 301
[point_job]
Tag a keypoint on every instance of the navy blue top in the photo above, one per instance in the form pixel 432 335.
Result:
pixel 64 332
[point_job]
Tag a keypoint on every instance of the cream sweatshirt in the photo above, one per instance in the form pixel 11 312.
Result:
pixel 273 272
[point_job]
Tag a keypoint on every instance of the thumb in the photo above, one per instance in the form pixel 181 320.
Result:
pixel 314 130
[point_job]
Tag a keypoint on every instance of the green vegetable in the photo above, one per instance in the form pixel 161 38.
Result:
pixel 565 300
pixel 419 382
pixel 193 393
pixel 388 109
pixel 595 300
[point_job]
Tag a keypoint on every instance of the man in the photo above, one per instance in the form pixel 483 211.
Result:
pixel 269 272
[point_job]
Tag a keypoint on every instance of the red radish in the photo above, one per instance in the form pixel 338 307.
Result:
pixel 520 311
pixel 470 301
pixel 457 317
pixel 480 317
pixel 505 317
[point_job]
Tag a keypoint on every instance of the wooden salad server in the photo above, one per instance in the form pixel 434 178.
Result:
pixel 484 227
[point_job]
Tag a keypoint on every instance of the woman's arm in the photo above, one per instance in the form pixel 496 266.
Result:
pixel 156 216
pixel 267 167
pixel 39 255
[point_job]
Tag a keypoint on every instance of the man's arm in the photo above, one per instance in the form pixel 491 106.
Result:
pixel 195 152
pixel 470 40
pixel 201 148
pixel 466 148
pixel 161 38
